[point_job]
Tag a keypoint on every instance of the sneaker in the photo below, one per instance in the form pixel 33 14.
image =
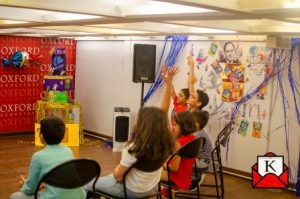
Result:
pixel 164 192
pixel 196 183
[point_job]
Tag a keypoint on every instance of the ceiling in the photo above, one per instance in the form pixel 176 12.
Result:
pixel 98 18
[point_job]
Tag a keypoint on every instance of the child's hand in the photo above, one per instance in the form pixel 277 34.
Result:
pixel 22 180
pixel 42 186
pixel 190 61
pixel 169 74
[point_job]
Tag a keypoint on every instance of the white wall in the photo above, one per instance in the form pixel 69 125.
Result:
pixel 104 81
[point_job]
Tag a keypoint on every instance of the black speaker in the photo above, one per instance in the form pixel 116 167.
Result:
pixel 144 58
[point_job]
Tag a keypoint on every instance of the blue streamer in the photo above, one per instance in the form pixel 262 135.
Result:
pixel 177 46
pixel 298 179
pixel 292 82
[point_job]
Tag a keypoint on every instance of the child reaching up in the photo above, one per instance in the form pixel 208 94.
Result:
pixel 179 100
pixel 184 127
pixel 52 132
pixel 198 99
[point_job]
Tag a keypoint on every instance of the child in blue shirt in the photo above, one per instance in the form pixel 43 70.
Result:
pixel 52 132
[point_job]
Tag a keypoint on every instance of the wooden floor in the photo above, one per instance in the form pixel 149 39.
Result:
pixel 16 151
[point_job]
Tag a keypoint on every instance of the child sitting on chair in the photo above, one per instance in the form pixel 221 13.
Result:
pixel 204 155
pixel 151 142
pixel 180 168
pixel 52 132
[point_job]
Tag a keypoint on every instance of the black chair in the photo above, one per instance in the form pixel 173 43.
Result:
pixel 188 151
pixel 71 174
pixel 216 167
pixel 140 165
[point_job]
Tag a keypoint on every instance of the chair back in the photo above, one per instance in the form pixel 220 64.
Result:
pixel 72 174
pixel 191 149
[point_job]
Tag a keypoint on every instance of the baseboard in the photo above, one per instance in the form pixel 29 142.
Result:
pixel 236 172
pixel 16 133
pixel 96 135
pixel 246 175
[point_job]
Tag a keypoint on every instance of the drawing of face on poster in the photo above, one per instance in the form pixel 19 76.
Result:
pixel 231 53
pixel 243 128
pixel 256 131
pixel 213 49
pixel 201 57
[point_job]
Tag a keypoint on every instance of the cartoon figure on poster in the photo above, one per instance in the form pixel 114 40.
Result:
pixel 58 61
pixel 231 53
pixel 213 49
pixel 201 58
pixel 243 128
pixel 256 130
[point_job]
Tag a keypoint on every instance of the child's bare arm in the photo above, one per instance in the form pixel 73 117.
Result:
pixel 119 172
pixel 168 78
pixel 191 76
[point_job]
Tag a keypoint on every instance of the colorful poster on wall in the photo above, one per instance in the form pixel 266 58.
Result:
pixel 20 88
pixel 256 130
pixel 233 82
pixel 243 128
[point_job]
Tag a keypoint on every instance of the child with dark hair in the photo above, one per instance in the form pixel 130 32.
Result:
pixel 52 132
pixel 179 100
pixel 204 155
pixel 184 127
pixel 198 99
pixel 181 169
pixel 151 142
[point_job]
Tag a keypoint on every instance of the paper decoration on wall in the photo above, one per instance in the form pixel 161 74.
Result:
pixel 201 58
pixel 217 67
pixel 233 82
pixel 213 49
pixel 231 53
pixel 58 61
pixel 261 93
pixel 256 130
pixel 243 128
pixel 21 59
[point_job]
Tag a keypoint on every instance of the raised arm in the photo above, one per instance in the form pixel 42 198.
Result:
pixel 191 76
pixel 167 75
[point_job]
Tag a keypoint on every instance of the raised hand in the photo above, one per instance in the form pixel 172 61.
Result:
pixel 190 62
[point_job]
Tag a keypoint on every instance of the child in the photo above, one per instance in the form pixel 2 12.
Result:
pixel 181 169
pixel 204 155
pixel 52 132
pixel 179 102
pixel 184 127
pixel 198 99
pixel 151 141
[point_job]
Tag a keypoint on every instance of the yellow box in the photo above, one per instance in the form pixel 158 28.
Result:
pixel 71 137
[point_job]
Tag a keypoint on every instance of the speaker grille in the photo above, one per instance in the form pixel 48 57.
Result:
pixel 121 128
pixel 144 63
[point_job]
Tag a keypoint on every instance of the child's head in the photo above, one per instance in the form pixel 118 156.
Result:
pixel 52 130
pixel 184 124
pixel 183 96
pixel 201 119
pixel 152 139
pixel 198 99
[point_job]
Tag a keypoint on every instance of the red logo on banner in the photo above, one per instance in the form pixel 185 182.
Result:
pixel 270 172
pixel 20 88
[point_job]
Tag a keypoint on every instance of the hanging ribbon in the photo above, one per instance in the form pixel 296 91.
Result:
pixel 298 179
pixel 177 46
